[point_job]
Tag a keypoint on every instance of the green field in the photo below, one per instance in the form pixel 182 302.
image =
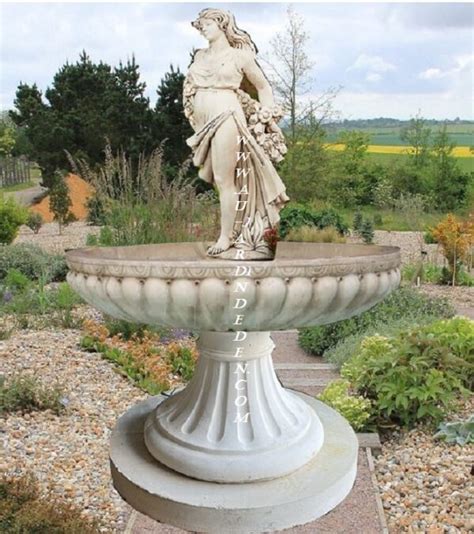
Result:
pixel 461 134
pixel 465 164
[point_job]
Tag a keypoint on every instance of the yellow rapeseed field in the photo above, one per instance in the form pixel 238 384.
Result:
pixel 459 151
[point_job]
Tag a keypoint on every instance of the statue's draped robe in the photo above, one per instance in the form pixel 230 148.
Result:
pixel 216 101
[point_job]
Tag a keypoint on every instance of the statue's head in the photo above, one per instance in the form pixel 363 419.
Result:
pixel 211 22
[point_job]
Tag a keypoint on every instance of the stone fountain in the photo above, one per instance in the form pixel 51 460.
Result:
pixel 234 451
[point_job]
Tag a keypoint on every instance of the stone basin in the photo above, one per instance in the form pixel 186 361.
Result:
pixel 177 285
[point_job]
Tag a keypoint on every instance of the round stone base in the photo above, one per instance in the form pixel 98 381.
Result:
pixel 172 498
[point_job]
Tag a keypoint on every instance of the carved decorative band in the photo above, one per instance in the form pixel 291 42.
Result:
pixel 198 271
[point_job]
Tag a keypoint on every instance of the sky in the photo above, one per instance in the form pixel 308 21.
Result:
pixel 389 59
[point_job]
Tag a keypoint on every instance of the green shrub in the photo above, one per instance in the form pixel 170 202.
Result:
pixel 35 221
pixel 128 330
pixel 33 262
pixel 56 303
pixel 357 221
pixel 97 210
pixel 296 215
pixel 24 511
pixel 12 216
pixel 417 375
pixel 435 274
pixel 402 303
pixel 182 362
pixel 355 409
pixel 310 234
pixel 429 238
pixel 348 346
pixel 459 432
pixel 16 280
pixel 367 231
pixel 25 393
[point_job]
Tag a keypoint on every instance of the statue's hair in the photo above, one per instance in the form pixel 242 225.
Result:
pixel 226 22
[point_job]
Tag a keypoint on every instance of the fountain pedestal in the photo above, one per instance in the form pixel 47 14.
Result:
pixel 234 422
pixel 238 508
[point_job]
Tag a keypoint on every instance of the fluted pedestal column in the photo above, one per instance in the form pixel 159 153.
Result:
pixel 234 422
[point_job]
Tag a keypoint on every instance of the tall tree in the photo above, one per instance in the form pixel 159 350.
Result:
pixel 418 136
pixel 290 70
pixel 450 184
pixel 170 122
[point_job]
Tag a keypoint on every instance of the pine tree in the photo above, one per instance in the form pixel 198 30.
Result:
pixel 170 122
pixel 86 104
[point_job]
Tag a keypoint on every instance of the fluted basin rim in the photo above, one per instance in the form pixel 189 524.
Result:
pixel 178 260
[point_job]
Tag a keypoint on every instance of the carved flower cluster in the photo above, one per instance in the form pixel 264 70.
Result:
pixel 262 122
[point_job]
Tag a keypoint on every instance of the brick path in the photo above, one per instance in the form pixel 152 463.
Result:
pixel 361 512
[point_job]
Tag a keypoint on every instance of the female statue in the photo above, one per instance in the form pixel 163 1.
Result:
pixel 236 137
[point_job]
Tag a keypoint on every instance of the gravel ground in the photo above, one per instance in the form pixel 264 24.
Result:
pixel 68 453
pixel 459 296
pixel 74 235
pixel 410 243
pixel 426 484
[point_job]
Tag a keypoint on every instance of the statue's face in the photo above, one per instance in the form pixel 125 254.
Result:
pixel 210 30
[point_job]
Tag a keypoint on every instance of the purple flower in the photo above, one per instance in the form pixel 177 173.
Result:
pixel 7 296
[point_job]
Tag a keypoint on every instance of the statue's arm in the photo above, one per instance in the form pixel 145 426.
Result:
pixel 255 75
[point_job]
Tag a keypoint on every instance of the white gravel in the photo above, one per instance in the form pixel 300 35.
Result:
pixel 426 484
pixel 73 235
pixel 69 452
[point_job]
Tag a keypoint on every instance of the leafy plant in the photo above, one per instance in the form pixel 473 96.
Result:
pixel 355 409
pixel 35 221
pixel 33 262
pixel 182 360
pixel 403 303
pixel 415 375
pixel 26 393
pixel 460 432
pixel 348 346
pixel 24 510
pixel 12 216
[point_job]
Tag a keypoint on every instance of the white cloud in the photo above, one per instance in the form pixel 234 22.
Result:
pixel 461 65
pixel 372 63
pixel 373 77
pixel 431 74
